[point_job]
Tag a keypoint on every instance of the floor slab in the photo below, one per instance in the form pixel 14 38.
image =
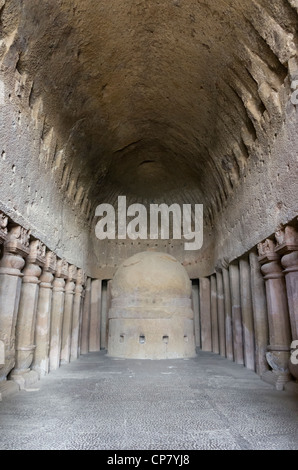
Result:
pixel 98 402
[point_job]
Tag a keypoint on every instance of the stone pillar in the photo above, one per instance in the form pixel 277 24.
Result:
pixel 43 316
pixel 2 356
pixel 205 309
pixel 25 327
pixel 86 318
pixel 287 247
pixel 236 313
pixel 278 354
pixel 3 227
pixel 16 248
pixel 108 303
pixel 260 314
pixel 57 313
pixel 196 311
pixel 247 314
pixel 214 319
pixel 95 310
pixel 228 312
pixel 77 315
pixel 67 315
pixel 3 234
pixel 221 312
pixel 104 317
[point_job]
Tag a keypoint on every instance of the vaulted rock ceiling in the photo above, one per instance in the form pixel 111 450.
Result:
pixel 153 98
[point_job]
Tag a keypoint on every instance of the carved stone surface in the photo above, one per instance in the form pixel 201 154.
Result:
pixel 50 262
pixel 37 253
pixel 25 327
pixel 77 314
pixel 17 240
pixel 62 269
pixel 289 251
pixel 260 314
pixel 234 276
pixel 266 251
pixel 205 309
pixel 16 247
pixel 287 240
pixel 278 316
pixel 57 312
pixel 43 316
pixel 72 272
pixel 150 315
pixel 3 227
pixel 67 315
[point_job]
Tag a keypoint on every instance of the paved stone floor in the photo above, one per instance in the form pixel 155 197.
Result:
pixel 98 403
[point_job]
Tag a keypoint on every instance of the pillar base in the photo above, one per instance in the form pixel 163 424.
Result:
pixel 43 369
pixel 64 362
pixel 291 387
pixel 25 379
pixel 7 388
pixel 277 378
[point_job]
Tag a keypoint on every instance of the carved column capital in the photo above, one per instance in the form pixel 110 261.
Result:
pixel 286 240
pixel 278 316
pixel 48 270
pixel 287 247
pixel 81 281
pixel 266 251
pixel 3 227
pixel 16 249
pixel 61 268
pixel 34 262
pixel 72 275
pixel 37 253
pixel 17 240
pixel 61 275
pixel 270 260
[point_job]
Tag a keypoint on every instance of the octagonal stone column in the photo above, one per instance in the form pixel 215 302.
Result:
pixel 287 247
pixel 3 234
pixel 214 317
pixel 43 316
pixel 196 310
pixel 221 312
pixel 57 313
pixel 260 315
pixel 16 248
pixel 278 317
pixel 25 327
pixel 228 310
pixel 95 314
pixel 236 313
pixel 84 333
pixel 67 315
pixel 247 314
pixel 205 309
pixel 77 314
pixel 3 227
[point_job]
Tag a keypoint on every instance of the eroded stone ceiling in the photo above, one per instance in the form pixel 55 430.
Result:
pixel 152 98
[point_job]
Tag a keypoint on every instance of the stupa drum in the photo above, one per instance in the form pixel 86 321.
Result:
pixel 151 315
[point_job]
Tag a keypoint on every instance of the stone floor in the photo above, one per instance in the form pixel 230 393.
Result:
pixel 98 403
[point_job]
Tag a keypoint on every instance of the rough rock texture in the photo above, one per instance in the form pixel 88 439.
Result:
pixel 164 101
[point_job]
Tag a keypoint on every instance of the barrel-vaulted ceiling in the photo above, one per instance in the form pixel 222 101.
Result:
pixel 151 98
